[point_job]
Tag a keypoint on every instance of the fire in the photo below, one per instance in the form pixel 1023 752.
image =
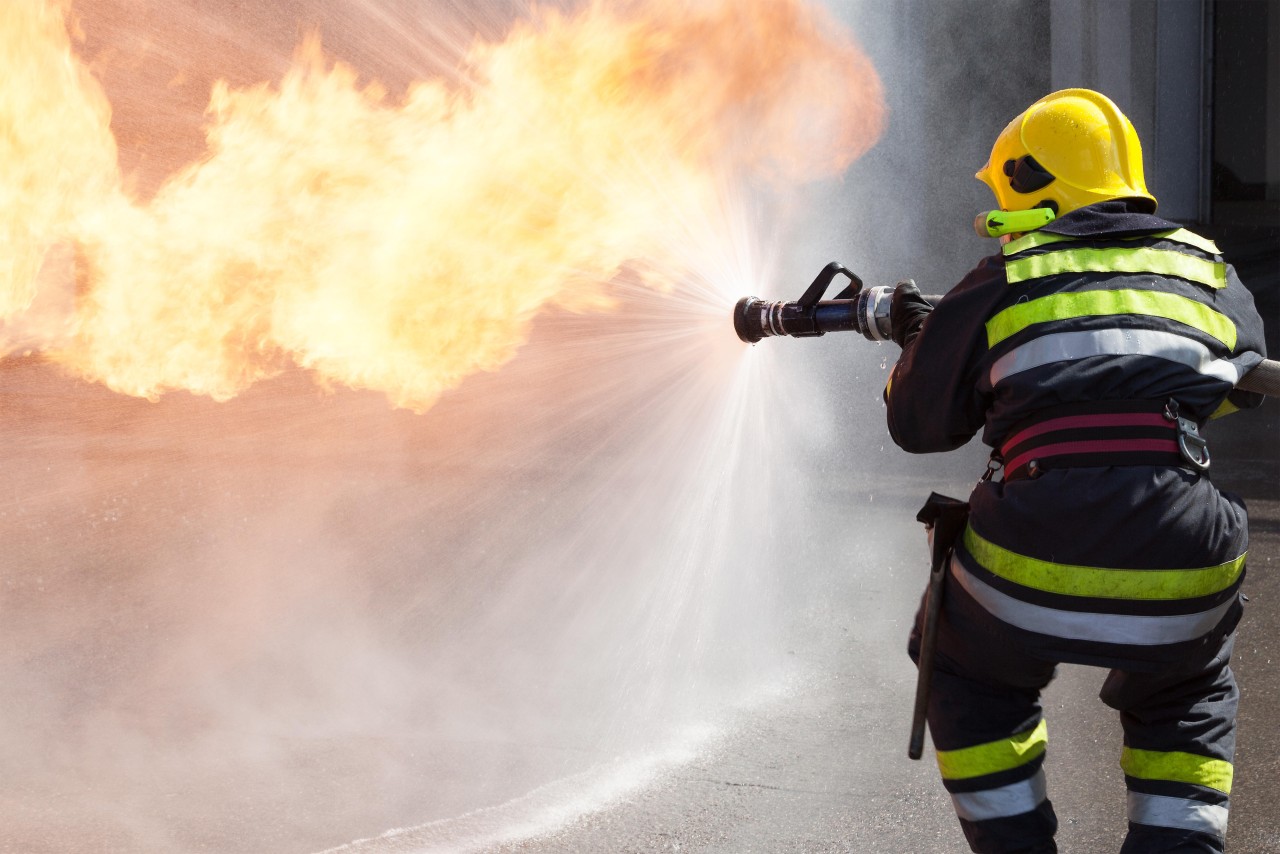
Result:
pixel 56 148
pixel 402 244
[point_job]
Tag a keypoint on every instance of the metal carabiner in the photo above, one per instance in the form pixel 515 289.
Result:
pixel 994 464
pixel 1191 445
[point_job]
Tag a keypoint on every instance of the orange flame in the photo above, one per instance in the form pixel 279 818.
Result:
pixel 403 245
pixel 57 156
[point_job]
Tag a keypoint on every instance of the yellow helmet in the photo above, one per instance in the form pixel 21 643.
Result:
pixel 1067 150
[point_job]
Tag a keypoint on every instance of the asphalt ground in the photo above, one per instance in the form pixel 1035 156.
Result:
pixel 825 768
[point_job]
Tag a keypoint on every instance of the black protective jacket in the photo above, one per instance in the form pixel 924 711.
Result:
pixel 1127 565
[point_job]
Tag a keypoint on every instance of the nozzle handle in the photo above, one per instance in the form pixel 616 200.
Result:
pixel 822 281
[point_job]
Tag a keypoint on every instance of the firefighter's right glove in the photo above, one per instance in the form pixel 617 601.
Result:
pixel 907 312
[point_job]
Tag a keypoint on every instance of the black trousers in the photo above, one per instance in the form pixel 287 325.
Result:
pixel 990 735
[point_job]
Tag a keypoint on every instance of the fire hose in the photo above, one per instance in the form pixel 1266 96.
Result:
pixel 867 310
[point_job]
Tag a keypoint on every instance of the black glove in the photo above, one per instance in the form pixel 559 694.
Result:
pixel 907 312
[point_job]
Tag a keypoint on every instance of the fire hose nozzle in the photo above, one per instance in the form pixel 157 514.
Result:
pixel 869 312
pixel 866 310
pixel 874 321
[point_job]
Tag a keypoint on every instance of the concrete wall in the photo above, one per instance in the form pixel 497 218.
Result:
pixel 1149 58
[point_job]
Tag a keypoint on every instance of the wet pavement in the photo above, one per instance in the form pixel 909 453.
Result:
pixel 231 628
pixel 825 768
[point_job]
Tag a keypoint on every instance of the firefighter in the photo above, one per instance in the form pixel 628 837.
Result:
pixel 1089 351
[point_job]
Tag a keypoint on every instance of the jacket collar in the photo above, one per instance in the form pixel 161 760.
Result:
pixel 1115 218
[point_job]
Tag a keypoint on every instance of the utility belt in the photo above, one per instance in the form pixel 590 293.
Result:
pixel 1102 433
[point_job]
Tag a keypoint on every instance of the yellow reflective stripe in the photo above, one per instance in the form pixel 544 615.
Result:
pixel 1064 306
pixel 1032 240
pixel 1044 238
pixel 1226 408
pixel 1190 238
pixel 1178 767
pixel 1162 262
pixel 1099 582
pixel 993 756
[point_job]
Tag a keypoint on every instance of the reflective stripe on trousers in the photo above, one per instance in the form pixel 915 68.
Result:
pixel 1003 801
pixel 992 757
pixel 1179 730
pixel 1085 625
pixel 1180 813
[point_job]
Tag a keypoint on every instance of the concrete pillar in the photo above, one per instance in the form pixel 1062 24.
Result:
pixel 1178 160
pixel 1273 102
pixel 1148 57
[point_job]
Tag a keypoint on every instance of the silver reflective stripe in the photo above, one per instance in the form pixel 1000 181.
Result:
pixel 1182 813
pixel 1132 629
pixel 1069 346
pixel 1014 799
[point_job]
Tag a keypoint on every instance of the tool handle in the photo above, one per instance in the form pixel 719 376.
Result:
pixel 945 518
pixel 924 672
